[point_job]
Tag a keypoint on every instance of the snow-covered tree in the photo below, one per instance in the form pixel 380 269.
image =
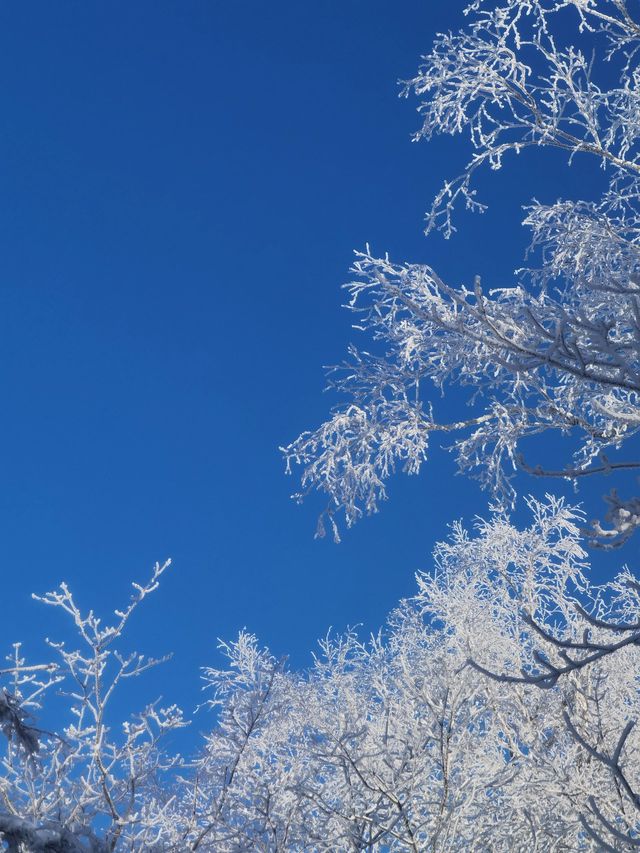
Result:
pixel 85 786
pixel 434 735
pixel 559 350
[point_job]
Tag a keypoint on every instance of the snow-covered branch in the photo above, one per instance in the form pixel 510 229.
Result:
pixel 559 351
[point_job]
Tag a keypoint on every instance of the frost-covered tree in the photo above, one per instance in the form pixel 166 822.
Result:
pixel 559 350
pixel 86 786
pixel 435 735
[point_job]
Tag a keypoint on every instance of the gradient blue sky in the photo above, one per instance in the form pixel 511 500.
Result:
pixel 182 186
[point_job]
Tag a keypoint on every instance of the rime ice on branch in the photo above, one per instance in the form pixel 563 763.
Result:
pixel 559 350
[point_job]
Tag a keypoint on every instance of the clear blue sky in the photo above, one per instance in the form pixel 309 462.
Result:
pixel 182 186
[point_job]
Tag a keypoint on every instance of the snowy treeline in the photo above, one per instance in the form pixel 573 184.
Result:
pixel 493 712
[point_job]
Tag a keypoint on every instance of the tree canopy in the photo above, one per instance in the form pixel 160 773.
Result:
pixel 497 708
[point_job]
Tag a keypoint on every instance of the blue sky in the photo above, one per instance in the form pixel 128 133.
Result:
pixel 182 187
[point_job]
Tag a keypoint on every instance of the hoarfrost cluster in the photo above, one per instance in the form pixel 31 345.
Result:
pixel 559 350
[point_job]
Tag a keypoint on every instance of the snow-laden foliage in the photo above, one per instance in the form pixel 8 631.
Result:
pixel 435 735
pixel 557 351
